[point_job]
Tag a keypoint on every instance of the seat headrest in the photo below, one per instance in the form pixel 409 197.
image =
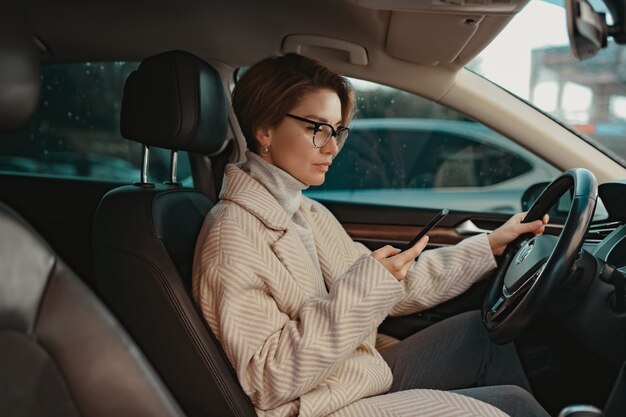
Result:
pixel 175 100
pixel 20 70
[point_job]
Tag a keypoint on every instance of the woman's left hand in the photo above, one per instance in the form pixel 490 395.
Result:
pixel 512 229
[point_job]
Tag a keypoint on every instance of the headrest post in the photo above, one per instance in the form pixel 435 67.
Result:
pixel 174 166
pixel 145 159
pixel 144 164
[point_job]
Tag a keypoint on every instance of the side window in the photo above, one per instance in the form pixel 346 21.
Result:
pixel 404 150
pixel 460 161
pixel 75 131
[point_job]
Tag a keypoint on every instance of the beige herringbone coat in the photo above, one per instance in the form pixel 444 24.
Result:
pixel 298 349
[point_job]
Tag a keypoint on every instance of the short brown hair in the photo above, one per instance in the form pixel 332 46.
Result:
pixel 274 86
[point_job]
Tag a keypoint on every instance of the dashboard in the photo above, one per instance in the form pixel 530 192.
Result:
pixel 611 233
pixel 594 319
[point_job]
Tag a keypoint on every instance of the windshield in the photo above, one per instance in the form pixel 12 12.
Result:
pixel 532 59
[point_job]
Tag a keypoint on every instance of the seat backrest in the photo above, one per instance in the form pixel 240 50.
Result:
pixel 61 352
pixel 145 234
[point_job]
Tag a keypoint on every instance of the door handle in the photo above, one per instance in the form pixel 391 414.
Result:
pixel 468 228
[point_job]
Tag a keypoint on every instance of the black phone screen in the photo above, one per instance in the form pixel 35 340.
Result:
pixel 432 223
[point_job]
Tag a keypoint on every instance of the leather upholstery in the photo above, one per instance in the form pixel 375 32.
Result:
pixel 72 357
pixel 20 70
pixel 22 394
pixel 24 268
pixel 144 239
pixel 175 100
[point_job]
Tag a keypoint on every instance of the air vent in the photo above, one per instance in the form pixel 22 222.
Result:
pixel 598 231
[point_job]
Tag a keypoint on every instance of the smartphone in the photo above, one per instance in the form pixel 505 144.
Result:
pixel 435 220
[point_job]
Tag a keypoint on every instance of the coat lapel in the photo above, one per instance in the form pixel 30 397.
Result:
pixel 244 190
pixel 291 252
pixel 331 250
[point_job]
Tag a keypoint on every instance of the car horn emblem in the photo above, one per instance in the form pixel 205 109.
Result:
pixel 524 252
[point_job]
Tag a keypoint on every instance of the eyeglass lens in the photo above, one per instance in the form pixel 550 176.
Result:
pixel 324 133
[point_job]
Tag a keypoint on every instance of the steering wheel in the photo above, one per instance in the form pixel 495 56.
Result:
pixel 533 267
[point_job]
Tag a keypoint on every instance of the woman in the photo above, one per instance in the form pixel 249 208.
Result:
pixel 296 303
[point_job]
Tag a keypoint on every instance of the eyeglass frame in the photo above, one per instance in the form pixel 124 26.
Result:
pixel 317 128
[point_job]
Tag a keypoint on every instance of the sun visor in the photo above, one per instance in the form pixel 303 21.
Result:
pixel 434 32
pixel 447 35
pixel 445 6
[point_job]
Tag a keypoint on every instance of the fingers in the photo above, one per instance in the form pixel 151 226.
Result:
pixel 414 251
pixel 544 221
pixel 385 252
pixel 536 227
pixel 512 229
pixel 401 262
pixel 530 226
pixel 396 261
pixel 521 215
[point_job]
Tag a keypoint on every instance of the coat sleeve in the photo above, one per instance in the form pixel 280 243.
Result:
pixel 437 276
pixel 278 359
pixel 441 274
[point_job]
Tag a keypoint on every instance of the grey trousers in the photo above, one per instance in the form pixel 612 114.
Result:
pixel 456 354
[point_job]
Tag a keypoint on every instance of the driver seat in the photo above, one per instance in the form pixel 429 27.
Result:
pixel 145 234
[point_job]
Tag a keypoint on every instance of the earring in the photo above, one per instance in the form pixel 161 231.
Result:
pixel 265 150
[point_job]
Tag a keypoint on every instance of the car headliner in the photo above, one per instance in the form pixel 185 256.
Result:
pixel 241 32
pixel 422 52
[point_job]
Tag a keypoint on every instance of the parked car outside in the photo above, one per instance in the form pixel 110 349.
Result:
pixel 432 163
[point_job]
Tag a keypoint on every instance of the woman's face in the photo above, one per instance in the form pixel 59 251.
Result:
pixel 291 141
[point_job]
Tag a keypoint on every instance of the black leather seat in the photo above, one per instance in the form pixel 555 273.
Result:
pixel 61 352
pixel 145 234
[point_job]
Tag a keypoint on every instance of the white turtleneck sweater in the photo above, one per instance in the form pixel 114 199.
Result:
pixel 287 190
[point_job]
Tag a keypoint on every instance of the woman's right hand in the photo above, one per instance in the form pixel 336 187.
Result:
pixel 397 262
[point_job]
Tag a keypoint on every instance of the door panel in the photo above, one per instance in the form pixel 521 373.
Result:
pixel 372 234
pixel 375 225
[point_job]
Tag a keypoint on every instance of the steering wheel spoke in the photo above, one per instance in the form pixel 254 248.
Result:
pixel 509 299
pixel 525 286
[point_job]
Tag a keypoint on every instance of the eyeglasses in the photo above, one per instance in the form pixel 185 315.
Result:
pixel 323 132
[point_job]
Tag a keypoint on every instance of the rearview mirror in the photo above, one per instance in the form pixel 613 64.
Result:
pixel 586 28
